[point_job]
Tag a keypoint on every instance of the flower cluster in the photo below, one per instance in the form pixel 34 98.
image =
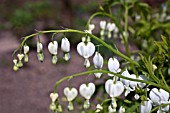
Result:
pixel 107 29
pixel 53 50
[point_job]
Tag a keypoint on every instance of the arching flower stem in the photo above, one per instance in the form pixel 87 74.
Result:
pixel 80 32
pixel 106 72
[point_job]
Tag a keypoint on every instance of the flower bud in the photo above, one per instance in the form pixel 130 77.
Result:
pixel 102 24
pixel 26 49
pixel 39 47
pixel 54 96
pixel 53 47
pixel 20 56
pixel 65 45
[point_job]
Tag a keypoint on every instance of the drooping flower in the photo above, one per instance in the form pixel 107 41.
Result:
pixel 98 63
pixel 39 47
pixel 158 95
pixel 15 67
pixel 54 96
pixel 86 50
pixel 114 88
pixel 145 107
pixel 40 54
pixel 53 48
pixel 26 50
pixel 111 26
pixel 71 94
pixel 87 91
pixel 65 46
pixel 103 24
pixel 20 57
pixel 113 65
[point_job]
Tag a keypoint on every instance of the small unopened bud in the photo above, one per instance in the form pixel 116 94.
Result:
pixel 154 67
pixel 53 96
pixel 52 106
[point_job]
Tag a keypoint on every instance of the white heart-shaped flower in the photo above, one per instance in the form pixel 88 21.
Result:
pixel 65 45
pixel 15 61
pixel 86 49
pixel 111 26
pixel 70 93
pixel 39 47
pixel 164 95
pixel 20 56
pixel 53 47
pixel 102 24
pixel 145 107
pixel 113 65
pixel 53 96
pixel 114 89
pixel 87 91
pixel 98 60
pixel 155 96
pixel 91 27
pixel 26 49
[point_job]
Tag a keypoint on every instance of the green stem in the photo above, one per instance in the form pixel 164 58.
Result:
pixel 126 31
pixel 106 72
pixel 80 32
pixel 157 107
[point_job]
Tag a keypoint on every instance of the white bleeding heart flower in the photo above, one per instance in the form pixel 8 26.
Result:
pixel 121 109
pixel 87 91
pixel 102 24
pixel 113 65
pixel 53 47
pixel 39 47
pixel 15 61
pixel 111 26
pixel 70 93
pixel 20 56
pixel 164 95
pixel 54 96
pixel 114 89
pixel 26 49
pixel 91 27
pixel 65 45
pixel 98 60
pixel 86 50
pixel 145 107
pixel 158 96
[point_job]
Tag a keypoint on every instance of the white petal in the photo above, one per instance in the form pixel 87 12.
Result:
pixel 26 49
pixel 102 24
pixel 39 47
pixel 116 89
pixel 87 91
pixel 70 93
pixel 145 107
pixel 65 45
pixel 53 96
pixel 155 96
pixel 98 60
pixel 113 65
pixel 53 47
pixel 164 95
pixel 126 74
pixel 20 56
